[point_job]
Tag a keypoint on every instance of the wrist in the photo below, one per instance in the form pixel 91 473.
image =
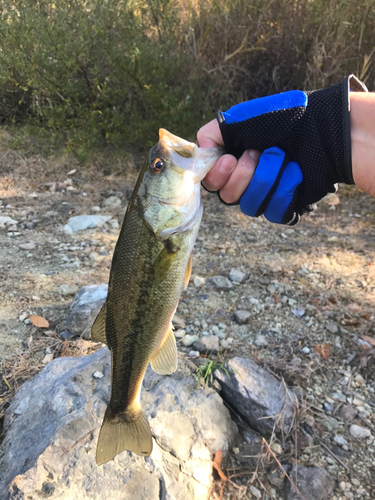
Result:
pixel 362 125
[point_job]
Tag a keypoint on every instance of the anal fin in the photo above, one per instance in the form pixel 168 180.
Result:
pixel 98 328
pixel 165 359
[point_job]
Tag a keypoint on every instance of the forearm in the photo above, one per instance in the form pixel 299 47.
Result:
pixel 362 124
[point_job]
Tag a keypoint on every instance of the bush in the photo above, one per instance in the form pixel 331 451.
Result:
pixel 113 71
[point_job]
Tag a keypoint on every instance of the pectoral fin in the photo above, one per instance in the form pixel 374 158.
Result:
pixel 164 361
pixel 188 271
pixel 162 265
pixel 98 328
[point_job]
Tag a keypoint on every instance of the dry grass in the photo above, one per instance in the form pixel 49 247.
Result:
pixel 22 367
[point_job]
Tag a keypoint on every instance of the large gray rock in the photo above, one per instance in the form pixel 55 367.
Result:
pixel 52 427
pixel 258 396
pixel 82 222
pixel 313 483
pixel 85 307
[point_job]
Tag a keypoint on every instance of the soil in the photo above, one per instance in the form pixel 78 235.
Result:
pixel 310 291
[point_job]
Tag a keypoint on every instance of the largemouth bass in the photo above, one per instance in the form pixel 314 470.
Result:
pixel 151 265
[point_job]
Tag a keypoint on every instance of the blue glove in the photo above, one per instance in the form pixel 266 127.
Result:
pixel 306 144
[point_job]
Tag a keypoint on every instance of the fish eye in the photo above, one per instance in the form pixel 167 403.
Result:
pixel 157 165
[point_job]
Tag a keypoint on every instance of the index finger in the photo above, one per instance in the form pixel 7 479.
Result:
pixel 209 136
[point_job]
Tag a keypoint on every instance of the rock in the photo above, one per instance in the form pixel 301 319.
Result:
pixel 221 283
pixel 53 422
pixel 261 340
pixel 189 340
pixel 257 395
pixel 277 476
pixel 340 440
pixel 255 492
pixel 98 375
pixel 348 413
pixel 314 483
pixel 85 307
pixel 332 328
pixel 198 281
pixel 298 311
pixel 207 345
pixel 66 290
pixel 241 317
pixel 47 358
pixel 178 322
pixel 359 432
pixel 82 222
pixel 27 246
pixel 7 221
pixel 179 334
pixel 112 202
pixel 237 276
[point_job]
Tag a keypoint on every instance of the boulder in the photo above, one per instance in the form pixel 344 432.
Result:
pixel 258 396
pixel 85 307
pixel 52 427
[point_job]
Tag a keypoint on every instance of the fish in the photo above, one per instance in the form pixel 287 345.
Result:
pixel 151 266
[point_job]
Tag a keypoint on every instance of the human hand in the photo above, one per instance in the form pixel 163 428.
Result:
pixel 229 176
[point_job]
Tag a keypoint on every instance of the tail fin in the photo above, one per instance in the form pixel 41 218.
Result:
pixel 117 435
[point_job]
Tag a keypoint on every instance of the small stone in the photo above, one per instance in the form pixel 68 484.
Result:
pixel 47 358
pixel 189 340
pixel 207 345
pixel 237 276
pixel 67 335
pixel 66 290
pixel 241 317
pixel 298 311
pixel 28 246
pixel 277 448
pixel 360 380
pixel 357 401
pixel 277 477
pixel 328 407
pixel 340 440
pixel 221 283
pixel 198 281
pixel 98 375
pixel 205 333
pixel 94 256
pixel 113 223
pixel 193 354
pixel 82 222
pixel 332 328
pixel 23 316
pixel 345 486
pixel 112 202
pixel 7 221
pixel 359 432
pixel 27 321
pixel 255 492
pixel 179 334
pixel 222 326
pixel 306 350
pixel 261 340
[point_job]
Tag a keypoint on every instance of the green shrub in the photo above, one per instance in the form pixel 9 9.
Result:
pixel 101 72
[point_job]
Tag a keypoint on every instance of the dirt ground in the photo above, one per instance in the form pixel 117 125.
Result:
pixel 310 291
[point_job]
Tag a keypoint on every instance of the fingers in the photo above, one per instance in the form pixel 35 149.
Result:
pixel 220 173
pixel 241 177
pixel 209 136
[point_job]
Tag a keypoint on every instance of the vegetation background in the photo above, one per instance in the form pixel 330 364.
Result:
pixel 94 73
